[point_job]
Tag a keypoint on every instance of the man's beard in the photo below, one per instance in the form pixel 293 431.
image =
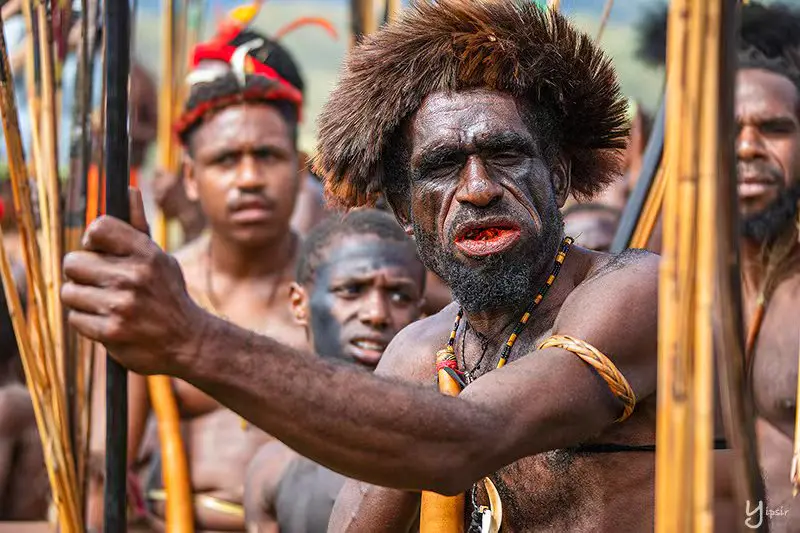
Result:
pixel 501 281
pixel 769 224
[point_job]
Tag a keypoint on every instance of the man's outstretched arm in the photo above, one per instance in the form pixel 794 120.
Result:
pixel 124 292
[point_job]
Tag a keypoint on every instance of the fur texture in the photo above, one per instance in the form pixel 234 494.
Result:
pixel 450 45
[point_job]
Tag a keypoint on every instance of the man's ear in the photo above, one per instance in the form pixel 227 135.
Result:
pixel 561 178
pixel 189 178
pixel 298 301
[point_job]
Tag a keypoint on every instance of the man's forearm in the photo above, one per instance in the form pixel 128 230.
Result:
pixel 408 437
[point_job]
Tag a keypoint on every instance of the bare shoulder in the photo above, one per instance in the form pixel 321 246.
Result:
pixel 411 356
pixel 616 283
pixel 615 308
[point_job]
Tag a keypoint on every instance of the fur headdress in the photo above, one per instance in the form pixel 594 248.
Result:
pixel 511 46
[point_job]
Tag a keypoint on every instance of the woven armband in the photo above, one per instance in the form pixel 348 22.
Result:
pixel 608 371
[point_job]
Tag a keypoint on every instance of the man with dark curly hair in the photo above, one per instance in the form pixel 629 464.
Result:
pixel 474 120
pixel 358 283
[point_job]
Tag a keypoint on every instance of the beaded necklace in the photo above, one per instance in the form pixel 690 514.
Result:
pixel 523 321
pixel 482 516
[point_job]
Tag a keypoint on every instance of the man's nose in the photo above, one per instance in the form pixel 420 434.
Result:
pixel 749 144
pixel 374 310
pixel 475 186
pixel 248 173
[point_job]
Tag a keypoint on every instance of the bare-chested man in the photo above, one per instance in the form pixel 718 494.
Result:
pixel 358 283
pixel 768 153
pixel 475 120
pixel 239 129
pixel 24 485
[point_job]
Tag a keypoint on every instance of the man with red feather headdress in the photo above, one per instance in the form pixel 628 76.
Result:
pixel 242 167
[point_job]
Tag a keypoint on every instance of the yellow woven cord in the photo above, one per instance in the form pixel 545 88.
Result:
pixel 608 371
pixel 211 503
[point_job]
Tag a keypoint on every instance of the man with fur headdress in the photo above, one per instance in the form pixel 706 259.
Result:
pixel 474 120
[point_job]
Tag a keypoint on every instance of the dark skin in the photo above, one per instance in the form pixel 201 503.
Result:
pixel 124 292
pixel 366 288
pixel 361 297
pixel 768 153
pixel 242 170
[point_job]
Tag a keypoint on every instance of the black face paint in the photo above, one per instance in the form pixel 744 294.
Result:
pixel 766 226
pixel 336 296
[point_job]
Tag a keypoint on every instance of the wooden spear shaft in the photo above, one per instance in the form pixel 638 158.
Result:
pixel 117 69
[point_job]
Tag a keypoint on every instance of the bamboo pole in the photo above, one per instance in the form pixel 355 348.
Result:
pixel 443 514
pixel 175 472
pixel 650 212
pixel 362 19
pixel 393 9
pixel 671 460
pixel 117 33
pixel 642 198
pixel 697 276
pixel 166 104
pixel 49 189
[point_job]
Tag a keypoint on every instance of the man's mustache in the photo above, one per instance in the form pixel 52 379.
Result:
pixel 751 168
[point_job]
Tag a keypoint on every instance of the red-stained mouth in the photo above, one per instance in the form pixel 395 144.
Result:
pixel 483 241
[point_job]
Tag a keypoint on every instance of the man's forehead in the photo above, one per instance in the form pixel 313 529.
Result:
pixel 763 92
pixel 245 124
pixel 360 255
pixel 461 116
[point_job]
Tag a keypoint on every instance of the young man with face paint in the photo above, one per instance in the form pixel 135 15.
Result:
pixel 358 283
pixel 500 111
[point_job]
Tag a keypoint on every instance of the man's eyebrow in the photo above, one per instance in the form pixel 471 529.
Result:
pixel 506 141
pixel 493 143
pixel 768 118
pixel 362 279
pixel 438 155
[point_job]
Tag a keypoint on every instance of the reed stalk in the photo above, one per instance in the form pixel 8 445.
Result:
pixel 604 20
pixel 393 9
pixel 35 338
pixel 696 276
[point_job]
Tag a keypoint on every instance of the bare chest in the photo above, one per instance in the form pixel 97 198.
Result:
pixel 563 490
pixel 774 368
